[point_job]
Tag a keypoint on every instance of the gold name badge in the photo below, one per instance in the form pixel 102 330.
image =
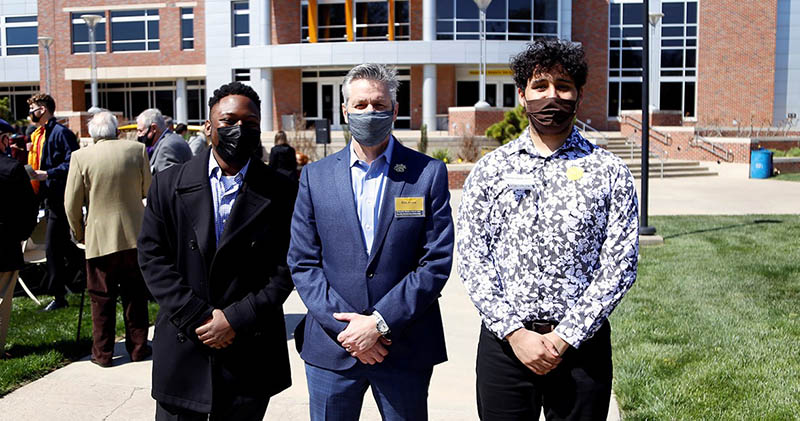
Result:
pixel 409 207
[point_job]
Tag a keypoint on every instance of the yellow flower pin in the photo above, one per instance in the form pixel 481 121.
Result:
pixel 574 173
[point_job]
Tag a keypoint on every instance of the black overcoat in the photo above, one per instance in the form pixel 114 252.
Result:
pixel 245 275
pixel 17 214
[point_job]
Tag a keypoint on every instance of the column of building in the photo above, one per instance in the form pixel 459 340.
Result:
pixel 261 77
pixel 429 70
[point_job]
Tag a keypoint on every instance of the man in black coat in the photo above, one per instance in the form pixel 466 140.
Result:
pixel 17 220
pixel 53 145
pixel 213 254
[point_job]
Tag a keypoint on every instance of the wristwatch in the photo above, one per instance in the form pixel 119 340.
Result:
pixel 381 325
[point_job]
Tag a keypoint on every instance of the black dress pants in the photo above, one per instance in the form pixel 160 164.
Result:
pixel 62 254
pixel 578 389
pixel 248 410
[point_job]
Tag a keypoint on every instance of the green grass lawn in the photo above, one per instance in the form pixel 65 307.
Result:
pixel 788 177
pixel 40 342
pixel 711 329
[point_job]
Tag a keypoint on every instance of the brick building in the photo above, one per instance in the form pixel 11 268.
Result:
pixel 712 61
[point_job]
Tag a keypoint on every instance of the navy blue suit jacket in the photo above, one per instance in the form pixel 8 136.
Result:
pixel 403 276
pixel 57 150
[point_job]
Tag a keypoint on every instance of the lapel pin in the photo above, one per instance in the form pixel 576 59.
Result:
pixel 400 168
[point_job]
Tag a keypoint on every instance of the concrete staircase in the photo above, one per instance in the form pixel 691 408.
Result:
pixel 633 158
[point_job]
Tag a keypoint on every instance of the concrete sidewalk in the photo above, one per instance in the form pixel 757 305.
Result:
pixel 83 391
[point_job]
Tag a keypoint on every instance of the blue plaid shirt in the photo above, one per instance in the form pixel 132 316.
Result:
pixel 224 190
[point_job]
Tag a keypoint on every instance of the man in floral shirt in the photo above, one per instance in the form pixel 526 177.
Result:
pixel 547 234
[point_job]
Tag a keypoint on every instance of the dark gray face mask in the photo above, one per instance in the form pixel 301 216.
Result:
pixel 372 128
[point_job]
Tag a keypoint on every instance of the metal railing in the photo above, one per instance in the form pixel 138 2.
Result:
pixel 634 146
pixel 662 137
pixel 585 127
pixel 712 148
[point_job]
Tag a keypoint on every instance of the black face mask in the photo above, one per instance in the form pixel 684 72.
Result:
pixel 236 144
pixel 144 139
pixel 34 117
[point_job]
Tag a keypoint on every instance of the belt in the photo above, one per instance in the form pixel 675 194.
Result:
pixel 541 326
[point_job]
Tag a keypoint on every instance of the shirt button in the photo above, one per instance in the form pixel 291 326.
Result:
pixel 370 275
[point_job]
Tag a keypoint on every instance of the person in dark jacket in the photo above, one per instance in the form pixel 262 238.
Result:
pixel 283 157
pixel 213 253
pixel 17 220
pixel 51 149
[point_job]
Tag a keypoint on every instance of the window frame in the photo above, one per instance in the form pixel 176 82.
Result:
pixel 5 25
pixel 507 34
pixel 244 36
pixel 187 17
pixel 75 19
pixel 399 27
pixel 145 19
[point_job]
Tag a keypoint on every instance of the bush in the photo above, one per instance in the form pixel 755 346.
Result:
pixel 791 153
pixel 469 152
pixel 513 124
pixel 442 155
pixel 422 145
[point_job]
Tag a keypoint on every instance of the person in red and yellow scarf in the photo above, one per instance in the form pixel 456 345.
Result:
pixel 52 146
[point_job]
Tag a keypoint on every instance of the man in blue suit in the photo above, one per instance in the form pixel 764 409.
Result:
pixel 371 250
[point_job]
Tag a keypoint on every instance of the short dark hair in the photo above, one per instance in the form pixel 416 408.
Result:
pixel 234 88
pixel 180 128
pixel 547 55
pixel 44 100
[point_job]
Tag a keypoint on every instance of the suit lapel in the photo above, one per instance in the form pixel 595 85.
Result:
pixel 344 189
pixel 194 194
pixel 394 184
pixel 249 204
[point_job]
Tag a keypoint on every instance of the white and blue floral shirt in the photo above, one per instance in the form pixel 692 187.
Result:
pixel 548 238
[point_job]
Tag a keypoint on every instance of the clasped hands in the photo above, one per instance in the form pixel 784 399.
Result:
pixel 540 353
pixel 216 332
pixel 361 338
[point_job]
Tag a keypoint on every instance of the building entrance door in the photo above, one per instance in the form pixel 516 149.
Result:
pixel 331 104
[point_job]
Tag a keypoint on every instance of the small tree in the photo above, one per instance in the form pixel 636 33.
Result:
pixel 422 145
pixel 5 108
pixel 514 122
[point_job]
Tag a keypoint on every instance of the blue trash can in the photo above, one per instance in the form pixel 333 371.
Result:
pixel 761 163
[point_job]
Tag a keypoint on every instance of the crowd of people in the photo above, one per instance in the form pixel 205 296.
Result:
pixel 546 233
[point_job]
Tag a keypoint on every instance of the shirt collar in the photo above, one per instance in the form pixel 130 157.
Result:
pixel 215 172
pixel 573 141
pixel 386 153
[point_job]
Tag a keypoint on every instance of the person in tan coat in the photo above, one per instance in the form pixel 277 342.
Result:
pixel 110 178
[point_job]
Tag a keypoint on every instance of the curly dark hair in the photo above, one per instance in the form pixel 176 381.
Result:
pixel 234 88
pixel 546 55
pixel 44 100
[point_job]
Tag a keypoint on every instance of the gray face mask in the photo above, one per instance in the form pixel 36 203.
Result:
pixel 370 129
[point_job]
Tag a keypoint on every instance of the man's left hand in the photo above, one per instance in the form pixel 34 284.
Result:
pixel 216 332
pixel 361 332
pixel 560 344
pixel 41 175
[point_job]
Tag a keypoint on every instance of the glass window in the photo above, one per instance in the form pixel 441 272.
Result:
pixel 331 22
pixel 671 58
pixel 688 99
pixel 506 19
pixel 632 14
pixel 613 99
pixel 671 95
pixel 631 96
pixel 310 99
pixel 134 30
pixel 691 12
pixel 509 95
pixel 80 33
pixel 240 19
pixel 403 105
pixel 545 10
pixel 20 36
pixel 466 93
pixel 187 28
pixel 673 12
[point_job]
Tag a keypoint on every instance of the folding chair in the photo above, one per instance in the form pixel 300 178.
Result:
pixel 33 252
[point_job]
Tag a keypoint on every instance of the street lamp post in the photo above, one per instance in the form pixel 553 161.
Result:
pixel 648 19
pixel 46 42
pixel 91 21
pixel 482 5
